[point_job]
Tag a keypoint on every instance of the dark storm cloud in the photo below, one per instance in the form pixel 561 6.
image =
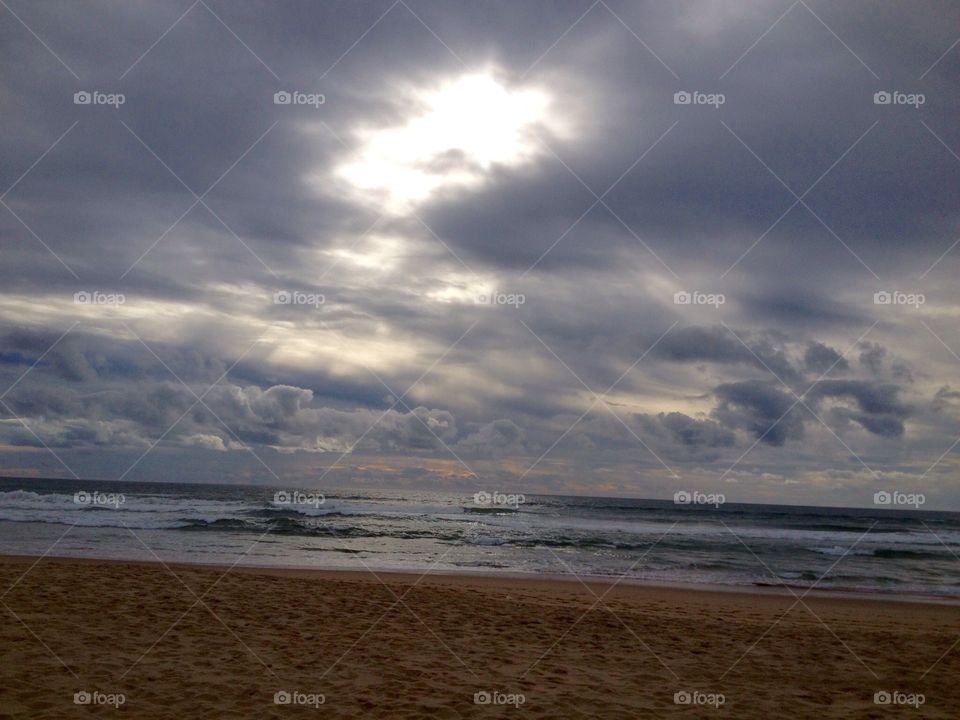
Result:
pixel 722 345
pixel 872 356
pixel 774 416
pixel 796 303
pixel 691 432
pixel 766 412
pixel 871 397
pixel 67 358
pixel 819 358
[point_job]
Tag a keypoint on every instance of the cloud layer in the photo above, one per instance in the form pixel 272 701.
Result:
pixel 484 245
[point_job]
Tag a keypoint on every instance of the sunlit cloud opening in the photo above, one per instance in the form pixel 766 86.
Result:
pixel 464 128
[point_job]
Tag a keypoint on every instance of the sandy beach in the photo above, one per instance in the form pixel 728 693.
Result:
pixel 154 641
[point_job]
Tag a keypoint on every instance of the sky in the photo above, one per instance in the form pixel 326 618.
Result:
pixel 619 248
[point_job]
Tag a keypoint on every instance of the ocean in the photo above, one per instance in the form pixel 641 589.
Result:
pixel 908 552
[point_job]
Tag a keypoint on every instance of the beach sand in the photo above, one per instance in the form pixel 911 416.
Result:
pixel 200 642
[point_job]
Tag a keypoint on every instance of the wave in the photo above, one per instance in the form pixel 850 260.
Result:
pixel 28 500
pixel 883 553
pixel 290 526
pixel 106 519
pixel 422 528
pixel 374 509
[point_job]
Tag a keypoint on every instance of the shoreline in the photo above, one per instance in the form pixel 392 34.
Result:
pixel 898 559
pixel 505 580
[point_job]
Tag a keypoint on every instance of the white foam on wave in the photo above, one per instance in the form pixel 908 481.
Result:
pixel 840 551
pixel 484 540
pixel 106 519
pixel 335 507
pixel 136 511
pixel 708 530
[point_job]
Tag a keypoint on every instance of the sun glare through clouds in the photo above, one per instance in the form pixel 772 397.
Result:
pixel 461 131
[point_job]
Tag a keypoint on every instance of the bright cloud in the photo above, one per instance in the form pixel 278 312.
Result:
pixel 460 132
